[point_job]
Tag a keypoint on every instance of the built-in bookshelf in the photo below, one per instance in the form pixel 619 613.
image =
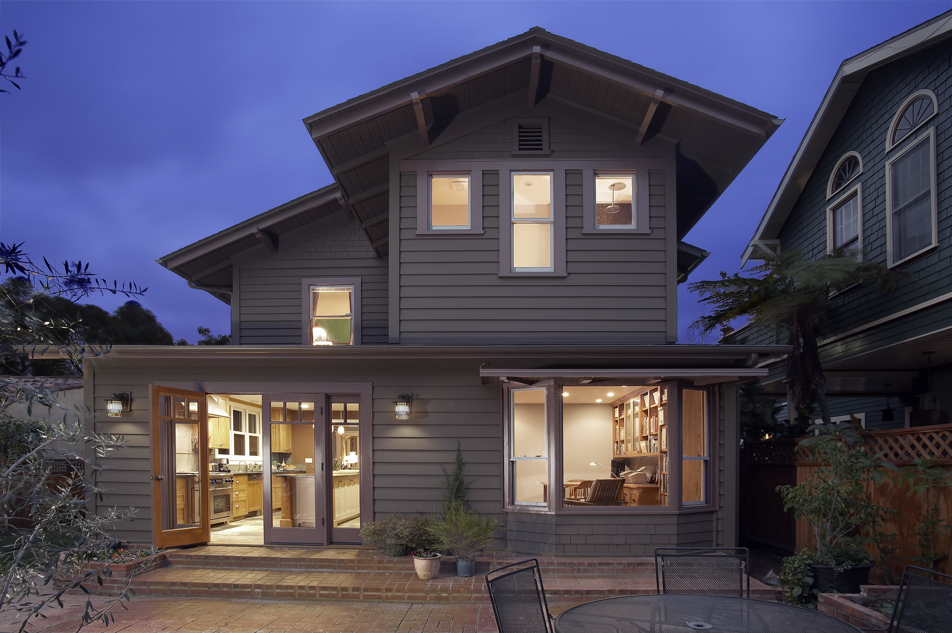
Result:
pixel 640 429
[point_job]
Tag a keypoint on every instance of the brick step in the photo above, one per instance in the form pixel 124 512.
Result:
pixel 360 574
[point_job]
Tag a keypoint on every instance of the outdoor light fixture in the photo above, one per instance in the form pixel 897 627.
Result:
pixel 117 404
pixel 401 406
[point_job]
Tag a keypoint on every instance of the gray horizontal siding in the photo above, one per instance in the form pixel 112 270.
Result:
pixel 270 297
pixel 450 404
pixel 450 289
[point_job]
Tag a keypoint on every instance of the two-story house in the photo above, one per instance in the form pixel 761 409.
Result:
pixel 494 266
pixel 872 175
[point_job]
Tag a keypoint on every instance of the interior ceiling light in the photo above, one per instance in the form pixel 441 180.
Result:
pixel 615 186
pixel 458 185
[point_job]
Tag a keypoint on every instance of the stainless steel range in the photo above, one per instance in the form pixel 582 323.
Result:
pixel 219 496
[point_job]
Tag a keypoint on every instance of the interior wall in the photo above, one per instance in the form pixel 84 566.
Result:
pixel 586 437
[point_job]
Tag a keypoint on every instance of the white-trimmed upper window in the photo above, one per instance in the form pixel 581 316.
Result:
pixel 614 201
pixel 849 167
pixel 917 109
pixel 332 312
pixel 448 200
pixel 534 241
pixel 450 206
pixel 844 228
pixel 533 222
pixel 910 200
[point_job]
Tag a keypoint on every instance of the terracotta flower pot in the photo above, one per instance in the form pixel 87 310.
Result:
pixel 427 568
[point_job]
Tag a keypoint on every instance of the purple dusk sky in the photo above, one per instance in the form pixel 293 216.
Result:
pixel 145 126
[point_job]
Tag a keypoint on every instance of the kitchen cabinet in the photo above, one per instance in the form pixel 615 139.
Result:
pixel 346 495
pixel 255 493
pixel 219 433
pixel 280 438
pixel 277 498
pixel 239 497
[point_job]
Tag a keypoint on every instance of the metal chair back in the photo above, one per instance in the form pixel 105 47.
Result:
pixel 712 571
pixel 925 602
pixel 518 598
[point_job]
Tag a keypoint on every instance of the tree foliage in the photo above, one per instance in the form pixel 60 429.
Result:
pixel 49 466
pixel 14 48
pixel 789 291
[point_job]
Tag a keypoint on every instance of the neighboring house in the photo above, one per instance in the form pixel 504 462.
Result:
pixel 495 264
pixel 873 175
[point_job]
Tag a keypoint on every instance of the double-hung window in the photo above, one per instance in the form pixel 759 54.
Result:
pixel 332 312
pixel 910 179
pixel 245 432
pixel 533 222
pixel 845 214
pixel 910 200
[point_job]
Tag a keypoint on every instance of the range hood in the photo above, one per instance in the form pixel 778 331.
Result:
pixel 216 409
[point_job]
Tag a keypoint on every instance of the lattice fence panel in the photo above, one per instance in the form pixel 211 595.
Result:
pixel 910 444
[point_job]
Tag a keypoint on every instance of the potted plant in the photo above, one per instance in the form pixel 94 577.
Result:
pixel 836 503
pixel 464 533
pixel 426 563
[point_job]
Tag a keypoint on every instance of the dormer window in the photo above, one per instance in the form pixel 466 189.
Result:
pixel 918 108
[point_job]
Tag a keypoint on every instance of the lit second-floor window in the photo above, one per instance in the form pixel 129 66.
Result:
pixel 450 202
pixel 533 222
pixel 332 315
pixel 614 194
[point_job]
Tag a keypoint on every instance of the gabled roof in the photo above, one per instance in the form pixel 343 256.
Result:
pixel 847 82
pixel 715 136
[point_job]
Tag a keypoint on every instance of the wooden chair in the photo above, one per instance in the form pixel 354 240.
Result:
pixel 604 492
pixel 518 598
pixel 582 490
pixel 712 571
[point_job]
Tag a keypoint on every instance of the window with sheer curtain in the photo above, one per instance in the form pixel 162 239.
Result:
pixel 911 200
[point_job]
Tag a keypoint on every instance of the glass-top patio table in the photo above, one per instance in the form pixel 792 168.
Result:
pixel 682 614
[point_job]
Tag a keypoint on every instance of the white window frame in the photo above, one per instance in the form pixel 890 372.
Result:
pixel 557 236
pixel 245 412
pixel 830 192
pixel 424 170
pixel 927 137
pixel 890 143
pixel 309 283
pixel 847 194
pixel 640 200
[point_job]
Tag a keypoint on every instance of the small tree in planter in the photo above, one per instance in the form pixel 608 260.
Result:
pixel 836 502
pixel 464 533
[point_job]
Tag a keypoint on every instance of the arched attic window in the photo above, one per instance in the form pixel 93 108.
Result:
pixel 849 167
pixel 918 108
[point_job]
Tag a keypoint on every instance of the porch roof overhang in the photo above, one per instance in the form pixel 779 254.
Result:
pixel 699 377
pixel 715 137
pixel 839 96
pixel 581 359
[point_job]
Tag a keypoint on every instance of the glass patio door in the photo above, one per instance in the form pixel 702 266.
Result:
pixel 294 478
pixel 179 468
pixel 345 459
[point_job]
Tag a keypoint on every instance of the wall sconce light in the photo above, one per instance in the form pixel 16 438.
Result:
pixel 351 458
pixel 117 404
pixel 401 406
pixel 340 429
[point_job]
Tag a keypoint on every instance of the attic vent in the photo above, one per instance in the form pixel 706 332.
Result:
pixel 531 136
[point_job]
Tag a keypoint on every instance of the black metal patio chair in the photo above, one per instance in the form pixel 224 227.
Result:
pixel 518 598
pixel 712 571
pixel 924 604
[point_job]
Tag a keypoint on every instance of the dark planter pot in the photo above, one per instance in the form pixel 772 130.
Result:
pixel 826 580
pixel 465 567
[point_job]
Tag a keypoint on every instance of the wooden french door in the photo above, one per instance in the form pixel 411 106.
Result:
pixel 179 467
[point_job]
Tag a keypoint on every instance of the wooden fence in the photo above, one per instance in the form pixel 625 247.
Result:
pixel 770 463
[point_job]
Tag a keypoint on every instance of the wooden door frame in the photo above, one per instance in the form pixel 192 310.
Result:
pixel 181 536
